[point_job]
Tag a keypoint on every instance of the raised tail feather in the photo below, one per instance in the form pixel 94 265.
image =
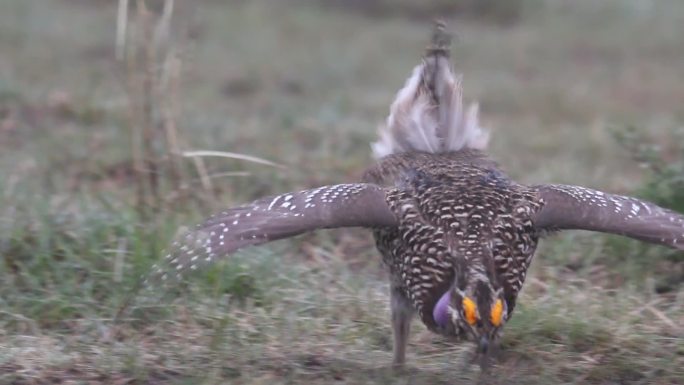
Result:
pixel 427 115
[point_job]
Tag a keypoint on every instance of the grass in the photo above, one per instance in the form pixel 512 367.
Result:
pixel 292 84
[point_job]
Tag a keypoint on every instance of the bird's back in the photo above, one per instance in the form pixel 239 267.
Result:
pixel 458 214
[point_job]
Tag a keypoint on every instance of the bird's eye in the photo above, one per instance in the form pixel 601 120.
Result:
pixel 469 310
pixel 497 313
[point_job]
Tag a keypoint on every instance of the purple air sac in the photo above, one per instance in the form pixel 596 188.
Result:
pixel 440 313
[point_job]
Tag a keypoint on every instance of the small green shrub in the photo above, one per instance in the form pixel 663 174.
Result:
pixel 664 182
pixel 664 185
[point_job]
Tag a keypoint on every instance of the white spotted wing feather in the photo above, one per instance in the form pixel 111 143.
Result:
pixel 574 207
pixel 277 217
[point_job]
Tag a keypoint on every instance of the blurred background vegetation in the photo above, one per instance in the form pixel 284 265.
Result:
pixel 99 137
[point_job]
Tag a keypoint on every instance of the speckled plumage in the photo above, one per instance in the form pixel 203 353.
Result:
pixel 456 211
pixel 452 228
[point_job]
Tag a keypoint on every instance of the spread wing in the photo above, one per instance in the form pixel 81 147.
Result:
pixel 278 217
pixel 574 207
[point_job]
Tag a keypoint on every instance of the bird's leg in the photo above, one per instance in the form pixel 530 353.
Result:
pixel 402 313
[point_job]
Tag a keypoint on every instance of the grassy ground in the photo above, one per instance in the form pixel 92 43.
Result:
pixel 305 86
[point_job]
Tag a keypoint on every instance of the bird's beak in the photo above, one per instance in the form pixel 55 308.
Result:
pixel 483 346
pixel 482 354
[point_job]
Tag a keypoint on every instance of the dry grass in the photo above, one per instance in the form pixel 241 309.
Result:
pixel 290 83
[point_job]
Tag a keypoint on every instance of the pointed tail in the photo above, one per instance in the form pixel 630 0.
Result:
pixel 427 115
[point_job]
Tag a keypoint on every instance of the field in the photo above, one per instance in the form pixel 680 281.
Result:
pixel 304 85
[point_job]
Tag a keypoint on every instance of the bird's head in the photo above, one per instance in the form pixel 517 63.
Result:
pixel 477 310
